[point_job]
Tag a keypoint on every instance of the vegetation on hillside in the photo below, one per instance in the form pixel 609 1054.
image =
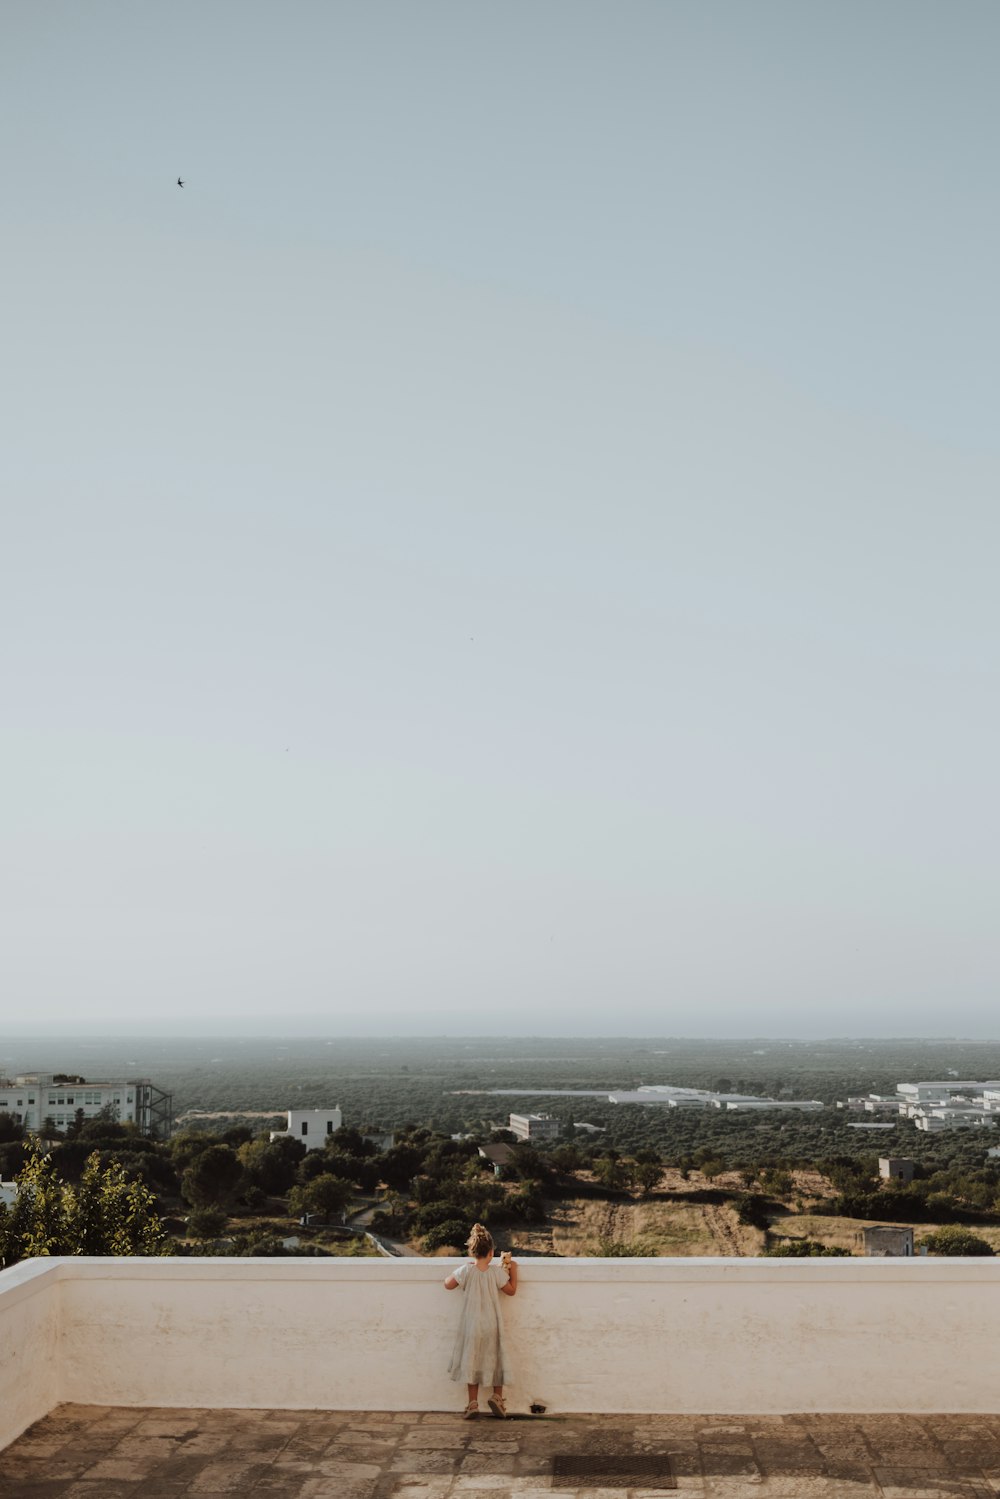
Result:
pixel 641 1179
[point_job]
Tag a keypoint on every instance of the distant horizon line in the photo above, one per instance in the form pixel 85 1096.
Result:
pixel 107 1033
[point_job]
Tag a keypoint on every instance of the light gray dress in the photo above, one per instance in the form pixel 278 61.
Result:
pixel 479 1356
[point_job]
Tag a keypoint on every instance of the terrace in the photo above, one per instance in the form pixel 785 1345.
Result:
pixel 321 1380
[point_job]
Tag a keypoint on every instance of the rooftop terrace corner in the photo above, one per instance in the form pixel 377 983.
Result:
pixel 90 1452
pixel 759 1337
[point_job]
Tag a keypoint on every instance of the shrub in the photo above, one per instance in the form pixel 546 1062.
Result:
pixel 954 1240
pixel 805 1249
pixel 451 1234
pixel 206 1223
pixel 632 1249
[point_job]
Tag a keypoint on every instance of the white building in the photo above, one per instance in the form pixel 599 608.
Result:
pixel 938 1092
pixel 937 1105
pixel 37 1097
pixel 896 1168
pixel 741 1103
pixel 312 1126
pixel 534 1127
pixel 700 1098
pixel 872 1103
pixel 8 1191
pixel 884 1240
pixel 952 1116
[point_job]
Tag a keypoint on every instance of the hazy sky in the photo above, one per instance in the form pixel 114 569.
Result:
pixel 512 544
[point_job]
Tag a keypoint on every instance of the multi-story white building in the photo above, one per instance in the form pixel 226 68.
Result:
pixel 936 1105
pixel 534 1127
pixel 36 1099
pixel 952 1116
pixel 938 1092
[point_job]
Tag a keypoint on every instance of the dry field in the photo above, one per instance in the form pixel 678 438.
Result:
pixel 582 1226
pixel 844 1233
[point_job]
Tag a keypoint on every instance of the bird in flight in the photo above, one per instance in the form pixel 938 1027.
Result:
pixel 179 182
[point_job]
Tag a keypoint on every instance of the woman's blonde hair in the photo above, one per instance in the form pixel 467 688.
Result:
pixel 480 1242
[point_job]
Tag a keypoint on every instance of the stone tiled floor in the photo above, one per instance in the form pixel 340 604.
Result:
pixel 84 1452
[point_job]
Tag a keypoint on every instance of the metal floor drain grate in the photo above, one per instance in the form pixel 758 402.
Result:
pixel 591 1470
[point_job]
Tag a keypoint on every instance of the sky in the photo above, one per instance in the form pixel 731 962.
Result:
pixel 510 545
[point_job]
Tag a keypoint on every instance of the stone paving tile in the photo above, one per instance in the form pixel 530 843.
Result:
pixel 915 1483
pixel 102 1453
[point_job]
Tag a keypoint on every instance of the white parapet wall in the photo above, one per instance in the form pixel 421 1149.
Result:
pixel 29 1346
pixel 699 1335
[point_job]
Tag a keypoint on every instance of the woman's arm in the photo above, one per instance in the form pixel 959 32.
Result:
pixel 510 1289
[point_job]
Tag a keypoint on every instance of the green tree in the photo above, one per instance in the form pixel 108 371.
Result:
pixel 271 1164
pixel 362 1170
pixel 324 1196
pixel 398 1166
pixel 36 1223
pixel 952 1239
pixel 647 1176
pixel 567 1157
pixel 777 1181
pixel 213 1178
pixel 111 1213
pixel 613 1172
pixel 185 1147
pixel 104 1214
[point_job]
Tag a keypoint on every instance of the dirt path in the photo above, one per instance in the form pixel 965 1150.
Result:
pixel 613 1222
pixel 719 1222
pixel 228 1114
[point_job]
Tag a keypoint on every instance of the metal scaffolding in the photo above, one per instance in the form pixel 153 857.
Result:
pixel 154 1110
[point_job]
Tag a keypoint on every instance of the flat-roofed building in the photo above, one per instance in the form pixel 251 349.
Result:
pixel 940 1091
pixel 952 1116
pixel 38 1098
pixel 883 1239
pixel 498 1154
pixel 896 1168
pixel 313 1127
pixel 535 1128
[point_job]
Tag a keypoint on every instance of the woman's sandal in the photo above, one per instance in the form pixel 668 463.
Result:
pixel 497 1406
pixel 471 1411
